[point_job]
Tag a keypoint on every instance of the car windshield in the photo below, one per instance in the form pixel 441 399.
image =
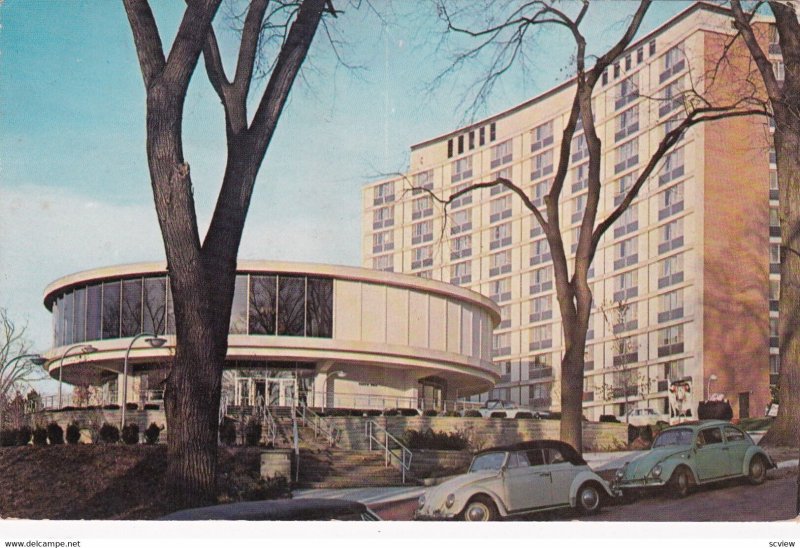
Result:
pixel 677 436
pixel 487 461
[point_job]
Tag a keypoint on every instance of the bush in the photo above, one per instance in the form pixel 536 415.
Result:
pixel 39 436
pixel 151 407
pixel 111 407
pixel 372 413
pixel 130 433
pixel 252 432
pixel 24 435
pixel 227 432
pixel 73 433
pixel 55 434
pixel 8 438
pixel 390 412
pixel 153 432
pixel 428 439
pixel 409 412
pixel 714 410
pixel 430 413
pixel 608 418
pixel 131 406
pixel 472 413
pixel 109 433
pixel 452 414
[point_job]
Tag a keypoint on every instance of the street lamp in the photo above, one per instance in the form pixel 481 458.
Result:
pixel 84 349
pixel 340 374
pixel 711 378
pixel 154 342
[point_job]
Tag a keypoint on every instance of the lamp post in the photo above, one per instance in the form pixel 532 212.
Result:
pixel 711 379
pixel 340 374
pixel 84 349
pixel 36 359
pixel 154 342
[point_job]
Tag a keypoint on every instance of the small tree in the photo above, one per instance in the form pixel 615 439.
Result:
pixel 15 374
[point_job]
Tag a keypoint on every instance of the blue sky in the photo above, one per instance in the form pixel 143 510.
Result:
pixel 74 190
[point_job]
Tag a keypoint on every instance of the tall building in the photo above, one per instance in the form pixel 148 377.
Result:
pixel 685 283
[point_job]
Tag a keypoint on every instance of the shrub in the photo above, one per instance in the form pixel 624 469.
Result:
pixel 472 413
pixel 130 433
pixel 39 436
pixel 55 434
pixel 24 435
pixel 73 433
pixel 390 412
pixel 428 439
pixel 153 432
pixel 252 432
pixel 131 406
pixel 249 486
pixel 151 407
pixel 109 433
pixel 430 413
pixel 452 414
pixel 372 413
pixel 8 438
pixel 608 418
pixel 111 407
pixel 409 412
pixel 227 432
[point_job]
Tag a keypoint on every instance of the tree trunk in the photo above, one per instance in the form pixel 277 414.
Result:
pixel 574 323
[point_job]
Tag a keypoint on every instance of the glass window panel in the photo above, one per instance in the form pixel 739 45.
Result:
pixel 262 305
pixel 67 310
pixel 238 324
pixel 58 321
pixel 111 294
pixel 131 307
pixel 291 306
pixel 154 305
pixel 94 305
pixel 320 308
pixel 79 325
pixel 170 310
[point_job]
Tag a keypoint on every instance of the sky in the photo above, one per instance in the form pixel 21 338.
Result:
pixel 74 187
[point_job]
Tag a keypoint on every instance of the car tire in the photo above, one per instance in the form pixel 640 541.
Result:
pixel 589 499
pixel 680 484
pixel 757 471
pixel 480 508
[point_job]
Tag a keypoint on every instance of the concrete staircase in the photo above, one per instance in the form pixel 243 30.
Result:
pixel 338 469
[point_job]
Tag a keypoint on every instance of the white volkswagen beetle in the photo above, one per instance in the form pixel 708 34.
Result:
pixel 517 479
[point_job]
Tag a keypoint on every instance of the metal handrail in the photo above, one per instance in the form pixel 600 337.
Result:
pixel 272 427
pixel 405 453
pixel 320 424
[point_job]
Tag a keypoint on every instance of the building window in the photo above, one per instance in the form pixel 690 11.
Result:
pixel 471 140
pixel 627 156
pixel 774 340
pixel 542 164
pixel 626 123
pixel 640 54
pixel 383 241
pixel 462 221
pixel 670 306
pixel 492 132
pixel 779 69
pixel 623 185
pixel 422 207
pixel 505 317
pixel 383 217
pixel 421 257
pixel 383 193
pixel 422 232
pixel 628 222
pixel 500 236
pixel 580 177
pixel 670 271
pixel 673 62
pixel 673 166
pixel 652 48
pixel 461 247
pixel 774 258
pixel 482 136
pixel 539 191
pixel 540 366
pixel 460 144
pixel 625 350
pixel 384 262
pixel 501 154
pixel 449 148
pixel 540 251
pixel 578 208
pixel 500 290
pixel 542 136
pixel 670 340
pixel 541 280
pixel 671 236
pixel 774 223
pixel 461 273
pixel 626 92
pixel 579 148
pixel 504 173
pixel 423 181
pixel 499 209
pixel 461 169
pixel 462 200
pixel 541 308
pixel 774 294
pixel 541 337
pixel 501 344
pixel 670 201
pixel 773 185
pixel 625 286
pixel 672 98
pixel 626 253
pixel 540 395
pixel 625 318
pixel 500 263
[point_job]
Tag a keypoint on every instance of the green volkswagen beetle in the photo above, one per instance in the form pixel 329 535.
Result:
pixel 694 454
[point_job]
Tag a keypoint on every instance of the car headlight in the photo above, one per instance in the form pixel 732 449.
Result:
pixel 421 501
pixel 451 500
pixel 656 471
pixel 621 471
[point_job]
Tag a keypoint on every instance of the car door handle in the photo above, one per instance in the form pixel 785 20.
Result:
pixel 545 474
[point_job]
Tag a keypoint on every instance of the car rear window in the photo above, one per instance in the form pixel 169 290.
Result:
pixel 732 434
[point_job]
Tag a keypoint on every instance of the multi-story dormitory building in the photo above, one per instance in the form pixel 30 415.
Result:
pixel 693 264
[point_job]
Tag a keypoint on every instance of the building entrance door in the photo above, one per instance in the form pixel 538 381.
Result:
pixel 744 405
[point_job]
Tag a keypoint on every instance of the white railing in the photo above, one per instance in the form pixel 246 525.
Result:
pixel 371 428
pixel 319 424
pixel 377 402
pixel 50 403
pixel 272 427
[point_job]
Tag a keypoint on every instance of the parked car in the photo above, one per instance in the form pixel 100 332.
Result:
pixel 643 417
pixel 280 510
pixel 694 454
pixel 504 409
pixel 517 479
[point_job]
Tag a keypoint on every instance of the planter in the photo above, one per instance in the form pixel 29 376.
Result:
pixel 276 463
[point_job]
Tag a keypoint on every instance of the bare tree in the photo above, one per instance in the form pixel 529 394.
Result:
pixel 202 272
pixel 15 374
pixel 504 38
pixel 782 83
